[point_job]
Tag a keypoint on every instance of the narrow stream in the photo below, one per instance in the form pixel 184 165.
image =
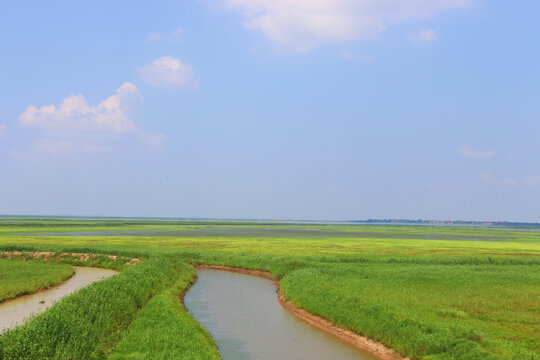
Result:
pixel 243 315
pixel 16 311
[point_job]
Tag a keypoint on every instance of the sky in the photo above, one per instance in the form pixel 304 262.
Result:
pixel 271 109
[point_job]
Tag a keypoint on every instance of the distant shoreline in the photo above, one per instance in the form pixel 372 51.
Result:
pixel 239 221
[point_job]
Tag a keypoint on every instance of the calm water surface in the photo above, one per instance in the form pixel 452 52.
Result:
pixel 244 317
pixel 275 232
pixel 14 312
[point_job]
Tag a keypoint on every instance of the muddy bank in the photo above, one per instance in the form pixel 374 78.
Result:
pixel 38 290
pixel 54 256
pixel 360 342
pixel 264 274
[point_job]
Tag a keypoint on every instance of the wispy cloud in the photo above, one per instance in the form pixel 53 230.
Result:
pixel 52 147
pixel 175 35
pixel 302 25
pixel 488 179
pixel 346 55
pixel 47 147
pixel 74 114
pixel 470 153
pixel 153 140
pixel 532 180
pixel 423 36
pixel 3 131
pixel 169 72
pixel 152 37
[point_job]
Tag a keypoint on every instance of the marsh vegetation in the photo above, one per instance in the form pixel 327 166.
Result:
pixel 427 292
pixel 18 277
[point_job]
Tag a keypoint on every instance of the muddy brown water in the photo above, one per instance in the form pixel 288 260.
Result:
pixel 245 319
pixel 16 311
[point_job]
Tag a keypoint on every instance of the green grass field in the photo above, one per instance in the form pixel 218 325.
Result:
pixel 19 277
pixel 429 292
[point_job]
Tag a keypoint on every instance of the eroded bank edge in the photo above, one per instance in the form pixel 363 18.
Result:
pixel 61 256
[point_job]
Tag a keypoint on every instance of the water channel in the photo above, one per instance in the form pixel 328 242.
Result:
pixel 16 311
pixel 243 315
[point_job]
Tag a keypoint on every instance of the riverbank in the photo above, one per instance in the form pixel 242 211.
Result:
pixel 19 278
pixel 360 342
pixel 86 259
pixel 34 292
pixel 16 311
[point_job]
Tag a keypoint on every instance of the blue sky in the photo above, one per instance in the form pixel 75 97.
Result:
pixel 308 109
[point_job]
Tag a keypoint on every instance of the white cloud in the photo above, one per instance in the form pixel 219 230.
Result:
pixel 301 25
pixel 532 180
pixel 169 72
pixel 467 152
pixel 423 36
pixel 87 129
pixel 113 114
pixel 52 147
pixel 153 140
pixel 488 179
pixel 3 131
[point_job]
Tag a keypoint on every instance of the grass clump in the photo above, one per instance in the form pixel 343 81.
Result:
pixel 18 277
pixel 164 330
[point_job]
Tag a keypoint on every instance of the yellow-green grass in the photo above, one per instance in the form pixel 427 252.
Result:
pixel 19 277
pixel 428 299
pixel 456 311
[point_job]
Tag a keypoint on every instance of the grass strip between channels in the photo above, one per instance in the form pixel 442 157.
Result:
pixel 164 330
pixel 87 324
